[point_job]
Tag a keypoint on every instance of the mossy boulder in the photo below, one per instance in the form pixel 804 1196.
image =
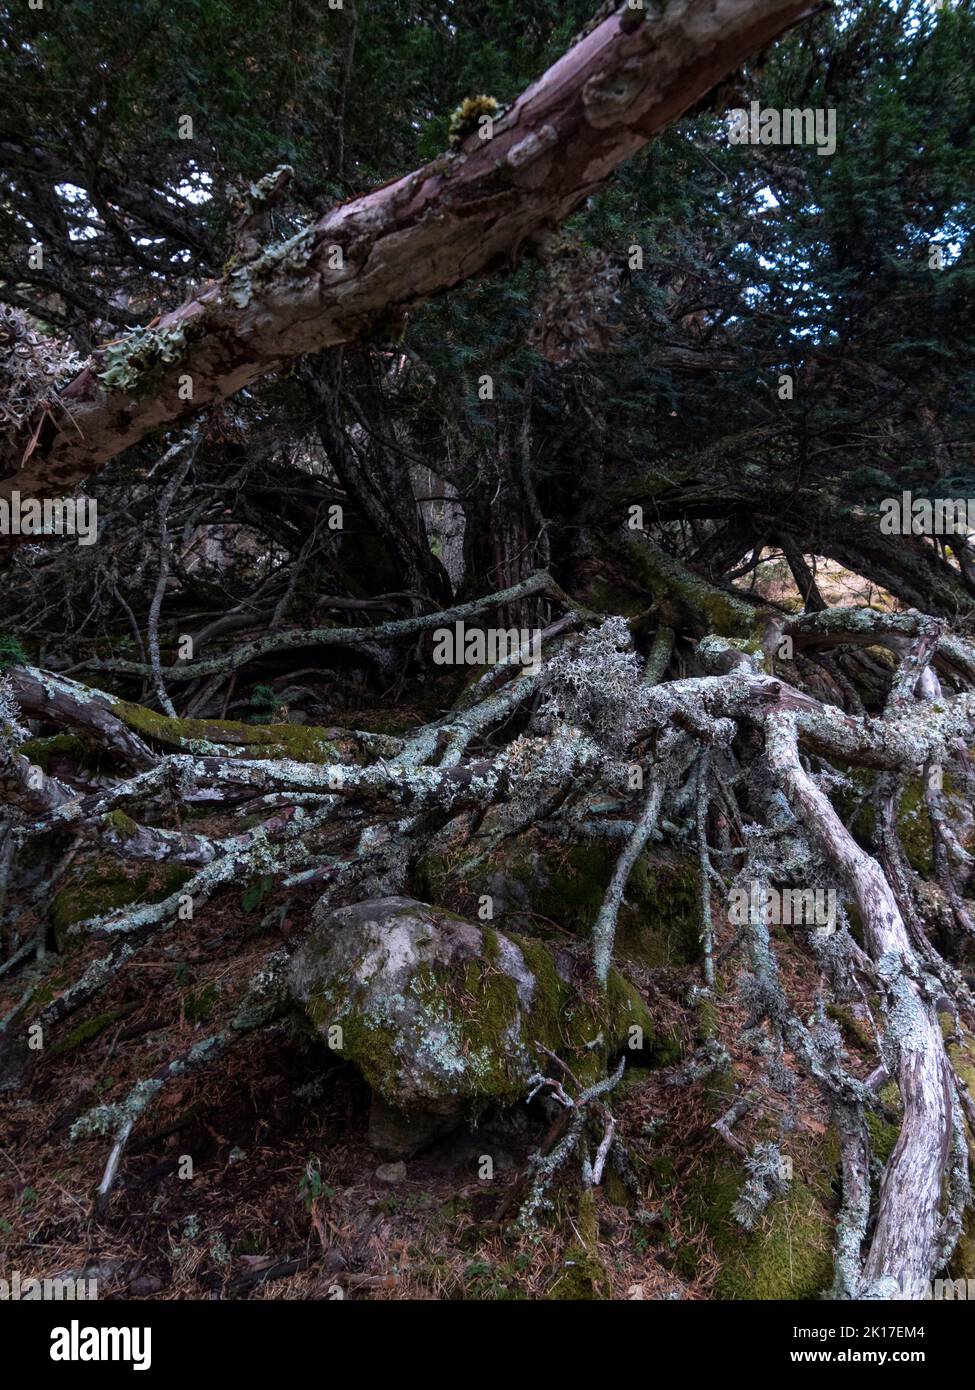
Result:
pixel 442 1016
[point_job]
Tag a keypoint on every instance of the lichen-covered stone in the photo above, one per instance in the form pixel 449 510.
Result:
pixel 442 1016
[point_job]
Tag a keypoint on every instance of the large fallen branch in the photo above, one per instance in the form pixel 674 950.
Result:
pixel 470 210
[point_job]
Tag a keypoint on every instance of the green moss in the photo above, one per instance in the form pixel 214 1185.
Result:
pixel 391 723
pixel 302 742
pixel 606 596
pixel 124 825
pixel 856 806
pixel 199 1004
pixel 789 1256
pixel 659 922
pixel 914 827
pixel 615 1188
pixel 85 1031
pixel 884 1133
pixel 93 891
pixel 571 891
pixel 42 751
pixel 706 1018
pixel 583 1276
pixel 962 1056
pixel 365 1041
pixel 684 598
pixel 855 1033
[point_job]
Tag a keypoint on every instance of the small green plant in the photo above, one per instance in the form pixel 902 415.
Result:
pixel 219 1251
pixel 311 1187
pixel 256 895
pixel 465 119
pixel 11 652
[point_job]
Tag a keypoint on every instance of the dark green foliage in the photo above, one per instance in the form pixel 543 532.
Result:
pixel 11 652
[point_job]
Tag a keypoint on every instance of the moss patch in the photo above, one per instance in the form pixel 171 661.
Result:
pixel 302 742
pixel 93 891
pixel 659 921
pixel 884 1133
pixel 199 1004
pixel 85 1031
pixel 962 1265
pixel 789 1256
pixel 48 752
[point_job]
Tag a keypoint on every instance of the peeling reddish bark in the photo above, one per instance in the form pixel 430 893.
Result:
pixel 465 213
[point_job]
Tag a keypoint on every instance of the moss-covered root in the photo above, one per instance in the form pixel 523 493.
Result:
pixel 583 1276
pixel 686 600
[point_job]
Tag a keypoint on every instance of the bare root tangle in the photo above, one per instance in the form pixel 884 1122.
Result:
pixel 532 701
pixel 725 765
pixel 338 636
pixel 907 1229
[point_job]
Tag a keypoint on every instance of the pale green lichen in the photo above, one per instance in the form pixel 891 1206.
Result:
pixel 283 258
pixel 130 360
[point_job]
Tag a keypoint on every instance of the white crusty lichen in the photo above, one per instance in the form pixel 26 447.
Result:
pixel 597 686
pixel 767 1178
pixel 33 364
pixel 12 731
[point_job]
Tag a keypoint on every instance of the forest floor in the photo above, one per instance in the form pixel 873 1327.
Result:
pixel 285 1199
